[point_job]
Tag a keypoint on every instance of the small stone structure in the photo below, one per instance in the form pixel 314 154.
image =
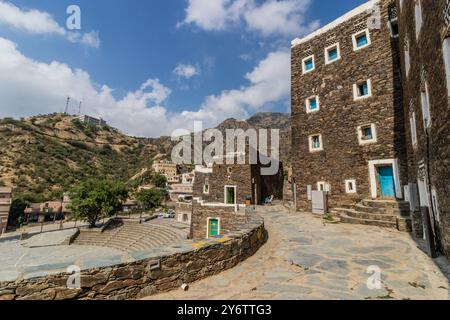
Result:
pixel 152 272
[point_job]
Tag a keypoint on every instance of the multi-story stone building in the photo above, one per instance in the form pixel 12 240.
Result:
pixel 347 116
pixel 5 204
pixel 169 170
pixel 424 28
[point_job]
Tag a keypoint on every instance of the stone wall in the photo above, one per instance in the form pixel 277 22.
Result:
pixel 144 277
pixel 343 158
pixel 240 176
pixel 427 66
pixel 230 218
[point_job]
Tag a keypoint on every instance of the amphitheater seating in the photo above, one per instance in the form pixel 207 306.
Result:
pixel 130 236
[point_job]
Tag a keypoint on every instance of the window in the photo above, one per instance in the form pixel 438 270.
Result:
pixel 367 134
pixel 206 189
pixel 315 143
pixel 308 64
pixel 312 104
pixel 229 170
pixel 425 101
pixel 332 53
pixel 362 90
pixel 323 186
pixel 393 27
pixel 350 186
pixel 361 40
pixel 446 52
pixel 412 121
pixel 407 58
pixel 418 16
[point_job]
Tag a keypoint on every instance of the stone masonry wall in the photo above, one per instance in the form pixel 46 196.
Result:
pixel 427 66
pixel 136 280
pixel 229 219
pixel 339 116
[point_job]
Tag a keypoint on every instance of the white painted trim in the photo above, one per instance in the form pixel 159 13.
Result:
pixel 311 149
pixel 374 134
pixel 207 226
pixel 347 189
pixel 321 183
pixel 308 105
pixel 304 71
pixel 225 194
pixel 446 53
pixel 331 26
pixel 413 129
pixel 336 45
pixel 355 91
pixel 373 176
pixel 355 44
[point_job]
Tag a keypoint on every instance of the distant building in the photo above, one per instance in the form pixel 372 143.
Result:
pixel 5 205
pixel 45 212
pixel 91 120
pixel 169 170
pixel 181 191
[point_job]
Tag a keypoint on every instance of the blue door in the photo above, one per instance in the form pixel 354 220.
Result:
pixel 387 185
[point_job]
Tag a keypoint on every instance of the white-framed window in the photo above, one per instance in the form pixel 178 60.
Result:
pixel 206 189
pixel 312 104
pixel 425 102
pixel 350 186
pixel 418 17
pixel 323 186
pixel 413 125
pixel 361 40
pixel 446 53
pixel 362 90
pixel 315 143
pixel 393 27
pixel 308 64
pixel 367 134
pixel 407 58
pixel 332 53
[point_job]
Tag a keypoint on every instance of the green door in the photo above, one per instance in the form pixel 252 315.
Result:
pixel 230 195
pixel 213 228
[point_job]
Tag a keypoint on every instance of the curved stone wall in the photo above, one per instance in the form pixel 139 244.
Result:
pixel 149 274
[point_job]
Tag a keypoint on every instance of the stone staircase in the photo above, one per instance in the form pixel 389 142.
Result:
pixel 133 237
pixel 382 213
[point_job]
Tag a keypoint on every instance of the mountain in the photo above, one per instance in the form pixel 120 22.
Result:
pixel 46 155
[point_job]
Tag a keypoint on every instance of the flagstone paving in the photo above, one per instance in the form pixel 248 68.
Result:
pixel 306 258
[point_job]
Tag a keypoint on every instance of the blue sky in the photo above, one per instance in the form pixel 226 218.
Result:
pixel 150 67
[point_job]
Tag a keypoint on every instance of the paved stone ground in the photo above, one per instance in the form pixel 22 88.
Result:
pixel 306 258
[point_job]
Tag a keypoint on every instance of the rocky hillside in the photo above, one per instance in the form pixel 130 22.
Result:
pixel 47 155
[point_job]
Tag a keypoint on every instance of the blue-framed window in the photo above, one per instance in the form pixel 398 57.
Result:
pixel 309 64
pixel 361 40
pixel 367 133
pixel 363 89
pixel 333 54
pixel 313 103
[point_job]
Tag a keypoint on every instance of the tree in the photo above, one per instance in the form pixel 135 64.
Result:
pixel 17 212
pixel 159 181
pixel 150 198
pixel 95 199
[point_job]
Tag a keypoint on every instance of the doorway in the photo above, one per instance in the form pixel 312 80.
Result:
pixel 386 181
pixel 230 195
pixel 213 228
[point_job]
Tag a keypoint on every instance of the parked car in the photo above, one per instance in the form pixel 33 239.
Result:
pixel 167 215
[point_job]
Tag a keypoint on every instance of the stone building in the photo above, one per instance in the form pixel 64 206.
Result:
pixel 347 117
pixel 5 204
pixel 98 122
pixel 169 170
pixel 424 35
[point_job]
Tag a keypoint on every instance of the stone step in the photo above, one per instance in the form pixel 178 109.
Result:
pixel 367 209
pixel 377 223
pixel 368 216
pixel 386 204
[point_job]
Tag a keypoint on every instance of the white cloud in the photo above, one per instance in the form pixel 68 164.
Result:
pixel 272 17
pixel 39 22
pixel 30 87
pixel 186 71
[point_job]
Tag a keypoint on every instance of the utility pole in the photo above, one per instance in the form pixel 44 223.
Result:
pixel 67 105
